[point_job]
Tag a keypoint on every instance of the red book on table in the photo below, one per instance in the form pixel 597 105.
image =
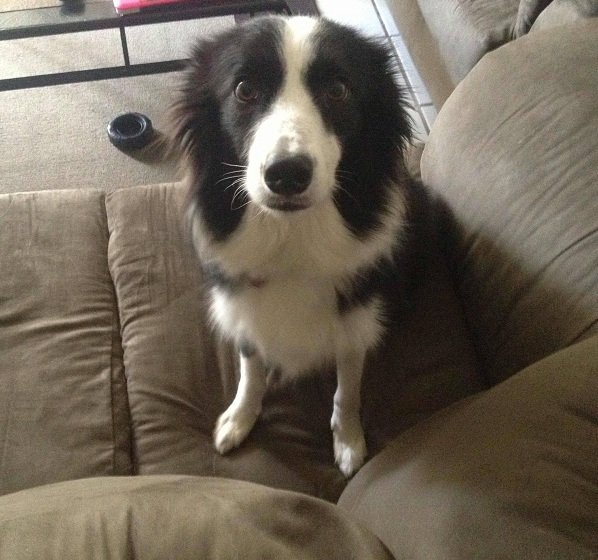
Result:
pixel 127 6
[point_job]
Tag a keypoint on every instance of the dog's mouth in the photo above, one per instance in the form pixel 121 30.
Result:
pixel 287 204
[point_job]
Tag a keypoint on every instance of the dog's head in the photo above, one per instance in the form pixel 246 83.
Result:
pixel 287 113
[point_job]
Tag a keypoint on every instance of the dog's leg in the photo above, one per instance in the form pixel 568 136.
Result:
pixel 235 423
pixel 349 441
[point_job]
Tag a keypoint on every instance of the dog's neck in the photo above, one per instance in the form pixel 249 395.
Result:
pixel 215 275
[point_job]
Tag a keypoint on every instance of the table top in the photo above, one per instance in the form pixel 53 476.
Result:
pixel 34 18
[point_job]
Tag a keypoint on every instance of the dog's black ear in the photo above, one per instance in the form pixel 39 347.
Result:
pixel 199 140
pixel 389 125
pixel 374 158
pixel 194 116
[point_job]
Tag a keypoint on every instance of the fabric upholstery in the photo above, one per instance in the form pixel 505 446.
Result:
pixel 510 473
pixel 176 517
pixel 527 14
pixel 525 204
pixel 465 30
pixel 446 38
pixel 565 12
pixel 63 410
pixel 181 377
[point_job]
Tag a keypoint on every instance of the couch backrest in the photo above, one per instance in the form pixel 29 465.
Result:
pixel 514 154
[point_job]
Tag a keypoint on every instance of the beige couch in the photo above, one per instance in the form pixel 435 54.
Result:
pixel 446 38
pixel 480 410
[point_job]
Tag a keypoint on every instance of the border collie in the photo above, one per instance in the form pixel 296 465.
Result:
pixel 301 210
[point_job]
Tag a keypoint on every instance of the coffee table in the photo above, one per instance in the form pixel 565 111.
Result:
pixel 70 16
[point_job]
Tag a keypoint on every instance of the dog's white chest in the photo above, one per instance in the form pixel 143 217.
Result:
pixel 292 324
pixel 290 312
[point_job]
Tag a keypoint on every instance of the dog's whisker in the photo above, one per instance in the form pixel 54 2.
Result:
pixel 235 171
pixel 347 175
pixel 240 206
pixel 234 174
pixel 259 212
pixel 345 191
pixel 232 181
pixel 236 180
pixel 240 190
pixel 346 180
pixel 233 165
pixel 235 183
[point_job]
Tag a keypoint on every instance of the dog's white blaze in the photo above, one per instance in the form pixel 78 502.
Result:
pixel 294 125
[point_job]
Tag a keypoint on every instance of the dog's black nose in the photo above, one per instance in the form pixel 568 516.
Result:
pixel 288 175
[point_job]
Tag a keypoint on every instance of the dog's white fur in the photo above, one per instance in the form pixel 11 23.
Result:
pixel 294 263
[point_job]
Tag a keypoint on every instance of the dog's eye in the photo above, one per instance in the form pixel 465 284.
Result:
pixel 337 91
pixel 245 92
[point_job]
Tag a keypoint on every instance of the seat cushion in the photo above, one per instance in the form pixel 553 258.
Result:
pixel 63 409
pixel 181 376
pixel 514 154
pixel 510 473
pixel 176 517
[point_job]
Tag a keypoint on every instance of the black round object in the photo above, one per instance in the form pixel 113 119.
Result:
pixel 130 131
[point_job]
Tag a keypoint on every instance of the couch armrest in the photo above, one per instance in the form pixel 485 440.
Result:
pixel 510 473
pixel 177 517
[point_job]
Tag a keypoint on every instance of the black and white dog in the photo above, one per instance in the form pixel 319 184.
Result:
pixel 302 213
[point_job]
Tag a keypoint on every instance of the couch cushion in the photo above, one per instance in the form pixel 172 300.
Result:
pixel 465 30
pixel 176 517
pixel 565 12
pixel 510 473
pixel 446 38
pixel 63 411
pixel 528 12
pixel 514 153
pixel 181 376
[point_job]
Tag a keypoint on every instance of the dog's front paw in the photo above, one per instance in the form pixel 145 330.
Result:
pixel 349 455
pixel 231 429
pixel 349 448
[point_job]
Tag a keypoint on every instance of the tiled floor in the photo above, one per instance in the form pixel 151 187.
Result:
pixel 374 18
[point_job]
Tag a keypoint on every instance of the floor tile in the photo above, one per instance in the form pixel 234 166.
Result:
pixel 387 18
pixel 360 14
pixel 430 114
